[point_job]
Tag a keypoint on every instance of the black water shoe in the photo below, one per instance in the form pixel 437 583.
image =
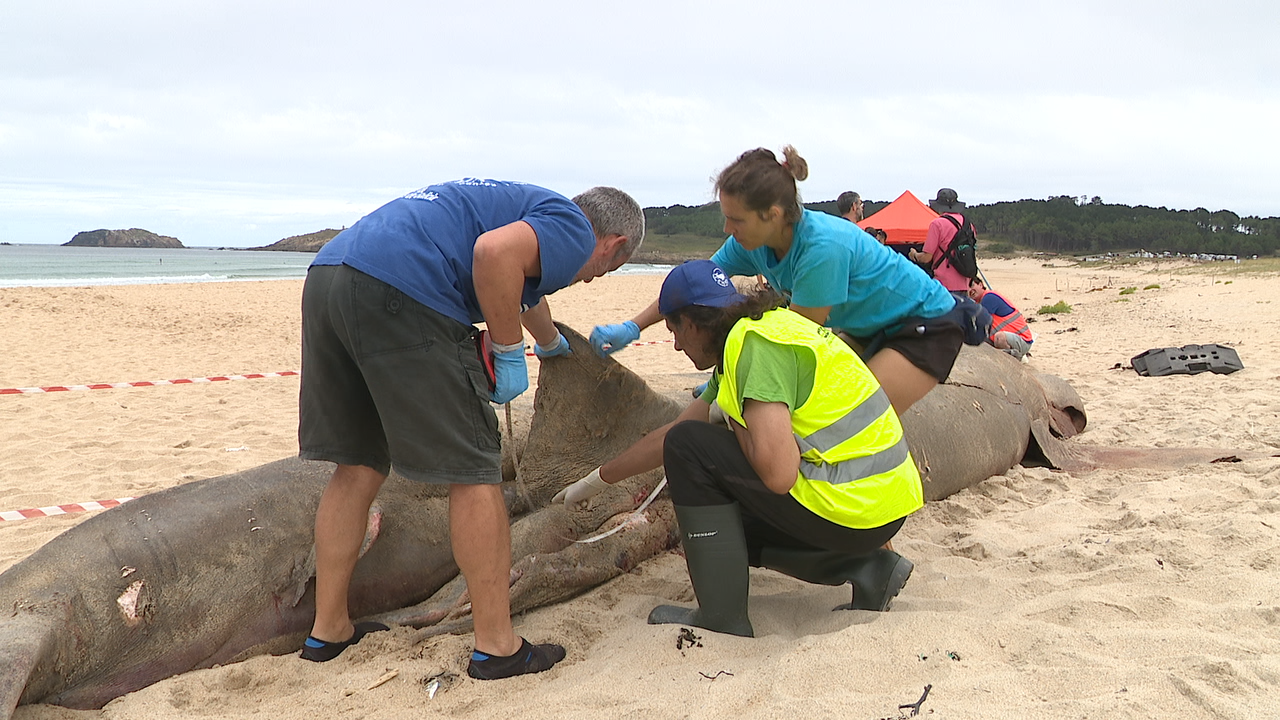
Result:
pixel 529 658
pixel 323 651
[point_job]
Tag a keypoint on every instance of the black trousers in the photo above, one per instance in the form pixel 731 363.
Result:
pixel 706 466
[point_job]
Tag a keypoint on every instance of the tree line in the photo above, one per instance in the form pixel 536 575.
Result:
pixel 1062 224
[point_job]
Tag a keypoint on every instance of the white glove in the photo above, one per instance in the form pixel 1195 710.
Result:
pixel 582 490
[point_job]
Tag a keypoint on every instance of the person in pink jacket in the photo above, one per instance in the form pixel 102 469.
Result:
pixel 941 233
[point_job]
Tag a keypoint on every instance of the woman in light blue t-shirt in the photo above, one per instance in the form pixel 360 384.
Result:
pixel 905 325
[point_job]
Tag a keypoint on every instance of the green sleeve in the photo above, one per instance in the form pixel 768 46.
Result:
pixel 713 389
pixel 769 372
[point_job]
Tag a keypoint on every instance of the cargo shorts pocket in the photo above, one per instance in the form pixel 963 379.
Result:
pixel 484 420
pixel 386 320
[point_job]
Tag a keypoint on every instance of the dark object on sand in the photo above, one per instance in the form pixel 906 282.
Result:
pixel 915 706
pixel 1187 360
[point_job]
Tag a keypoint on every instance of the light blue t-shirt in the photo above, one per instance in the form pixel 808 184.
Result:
pixel 423 243
pixel 832 262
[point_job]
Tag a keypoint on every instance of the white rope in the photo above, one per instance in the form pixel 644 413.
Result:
pixel 638 511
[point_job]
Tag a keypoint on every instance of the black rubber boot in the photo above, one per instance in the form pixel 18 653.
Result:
pixel 715 550
pixel 876 578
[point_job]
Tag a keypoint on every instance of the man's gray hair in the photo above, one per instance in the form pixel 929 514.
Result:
pixel 613 212
pixel 846 201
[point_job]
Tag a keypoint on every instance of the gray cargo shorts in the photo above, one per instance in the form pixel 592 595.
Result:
pixel 387 381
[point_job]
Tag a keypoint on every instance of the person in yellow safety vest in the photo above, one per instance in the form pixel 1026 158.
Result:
pixel 812 476
pixel 1009 330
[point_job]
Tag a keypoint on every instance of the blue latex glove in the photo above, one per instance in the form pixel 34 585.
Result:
pixel 511 374
pixel 697 392
pixel 557 349
pixel 608 339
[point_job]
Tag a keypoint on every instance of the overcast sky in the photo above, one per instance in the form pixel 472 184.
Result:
pixel 238 123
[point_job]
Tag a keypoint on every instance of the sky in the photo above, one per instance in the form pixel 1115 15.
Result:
pixel 238 123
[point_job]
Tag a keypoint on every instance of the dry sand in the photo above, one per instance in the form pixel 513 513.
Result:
pixel 1038 594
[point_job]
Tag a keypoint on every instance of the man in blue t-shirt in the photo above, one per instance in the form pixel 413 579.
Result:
pixel 395 374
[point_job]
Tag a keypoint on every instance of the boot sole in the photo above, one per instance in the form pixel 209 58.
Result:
pixel 672 615
pixel 897 580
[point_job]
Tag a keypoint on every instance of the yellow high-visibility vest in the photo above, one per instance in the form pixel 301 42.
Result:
pixel 855 468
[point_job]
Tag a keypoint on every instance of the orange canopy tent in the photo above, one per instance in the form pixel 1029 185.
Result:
pixel 905 220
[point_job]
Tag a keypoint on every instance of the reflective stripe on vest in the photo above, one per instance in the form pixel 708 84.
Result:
pixel 1007 321
pixel 859 418
pixel 855 468
pixel 1013 323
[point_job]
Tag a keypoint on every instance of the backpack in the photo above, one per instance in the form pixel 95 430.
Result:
pixel 962 251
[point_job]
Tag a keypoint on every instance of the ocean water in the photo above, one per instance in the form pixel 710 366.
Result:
pixel 59 266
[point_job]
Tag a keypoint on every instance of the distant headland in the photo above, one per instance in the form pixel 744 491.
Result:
pixel 1065 224
pixel 311 242
pixel 132 238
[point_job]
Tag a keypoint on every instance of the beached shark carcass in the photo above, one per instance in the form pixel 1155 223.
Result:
pixel 220 569
pixel 191 577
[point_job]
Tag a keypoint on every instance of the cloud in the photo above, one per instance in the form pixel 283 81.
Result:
pixel 230 122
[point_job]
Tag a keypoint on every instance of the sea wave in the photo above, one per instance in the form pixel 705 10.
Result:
pixel 642 269
pixel 138 280
pixel 238 276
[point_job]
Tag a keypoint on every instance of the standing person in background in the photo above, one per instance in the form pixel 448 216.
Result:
pixel 849 205
pixel 907 327
pixel 1009 330
pixel 392 375
pixel 941 233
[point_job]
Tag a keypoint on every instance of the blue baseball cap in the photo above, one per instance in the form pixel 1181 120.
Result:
pixel 697 282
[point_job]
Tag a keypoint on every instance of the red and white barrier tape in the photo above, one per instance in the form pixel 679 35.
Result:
pixel 652 342
pixel 195 381
pixel 105 504
pixel 144 383
pixel 61 509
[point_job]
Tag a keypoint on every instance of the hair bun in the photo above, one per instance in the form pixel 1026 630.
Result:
pixel 795 164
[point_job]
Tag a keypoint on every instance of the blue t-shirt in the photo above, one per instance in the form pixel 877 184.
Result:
pixel 997 305
pixel 423 243
pixel 832 262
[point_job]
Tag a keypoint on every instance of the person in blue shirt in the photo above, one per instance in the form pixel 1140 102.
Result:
pixel 905 325
pixel 394 374
pixel 1009 330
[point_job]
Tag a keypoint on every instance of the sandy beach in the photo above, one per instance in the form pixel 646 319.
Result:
pixel 1037 594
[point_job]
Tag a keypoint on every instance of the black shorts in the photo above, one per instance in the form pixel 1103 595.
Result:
pixel 387 381
pixel 930 344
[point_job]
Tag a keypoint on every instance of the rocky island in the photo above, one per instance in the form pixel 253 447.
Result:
pixel 132 238
pixel 311 242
